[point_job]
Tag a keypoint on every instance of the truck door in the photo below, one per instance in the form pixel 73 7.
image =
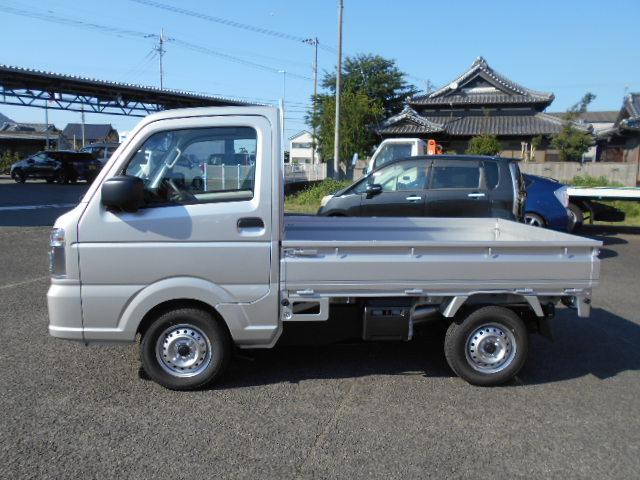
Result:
pixel 215 233
pixel 457 189
pixel 401 190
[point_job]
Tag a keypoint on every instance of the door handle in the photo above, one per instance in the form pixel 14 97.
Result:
pixel 250 222
pixel 414 198
pixel 475 195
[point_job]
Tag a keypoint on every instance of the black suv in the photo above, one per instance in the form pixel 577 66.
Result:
pixel 435 186
pixel 59 166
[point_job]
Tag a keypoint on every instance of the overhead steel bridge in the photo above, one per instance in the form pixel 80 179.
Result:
pixel 35 88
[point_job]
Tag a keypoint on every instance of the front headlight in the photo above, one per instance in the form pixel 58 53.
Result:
pixel 57 263
pixel 325 200
pixel 562 194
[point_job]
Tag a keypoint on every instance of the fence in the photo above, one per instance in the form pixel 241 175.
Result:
pixel 623 173
pixel 304 172
pixel 228 177
pixel 239 177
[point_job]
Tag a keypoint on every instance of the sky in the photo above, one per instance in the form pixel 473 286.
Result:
pixel 567 47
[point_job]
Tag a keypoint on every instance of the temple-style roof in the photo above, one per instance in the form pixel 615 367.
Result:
pixel 408 122
pixel 629 116
pixel 482 85
pixel 503 124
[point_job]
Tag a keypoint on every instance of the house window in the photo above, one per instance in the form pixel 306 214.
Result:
pixel 301 145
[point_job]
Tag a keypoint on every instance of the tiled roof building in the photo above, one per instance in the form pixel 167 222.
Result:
pixel 480 101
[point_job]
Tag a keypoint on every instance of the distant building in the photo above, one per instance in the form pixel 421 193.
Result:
pixel 621 141
pixel 93 133
pixel 27 138
pixel 301 148
pixel 481 101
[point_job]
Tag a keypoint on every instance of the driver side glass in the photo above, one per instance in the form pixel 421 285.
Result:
pixel 199 165
pixel 401 176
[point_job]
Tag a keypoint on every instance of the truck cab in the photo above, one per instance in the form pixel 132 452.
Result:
pixel 196 263
pixel 395 148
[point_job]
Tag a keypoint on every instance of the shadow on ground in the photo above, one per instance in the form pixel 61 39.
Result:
pixel 602 346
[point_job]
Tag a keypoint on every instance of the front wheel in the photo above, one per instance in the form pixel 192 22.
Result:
pixel 185 349
pixel 488 347
pixel 18 176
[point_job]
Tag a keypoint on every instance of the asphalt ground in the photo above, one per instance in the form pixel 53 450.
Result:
pixel 344 411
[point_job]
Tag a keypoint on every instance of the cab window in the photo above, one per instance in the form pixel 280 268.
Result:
pixel 400 176
pixel 200 165
pixel 390 152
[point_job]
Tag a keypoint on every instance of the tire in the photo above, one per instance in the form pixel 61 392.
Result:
pixel 61 178
pixel 534 220
pixel 196 351
pixel 488 328
pixel 18 176
pixel 577 218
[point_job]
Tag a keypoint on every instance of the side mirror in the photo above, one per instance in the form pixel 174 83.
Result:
pixel 123 193
pixel 374 189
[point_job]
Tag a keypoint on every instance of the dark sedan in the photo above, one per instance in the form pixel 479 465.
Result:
pixel 57 166
pixel 435 186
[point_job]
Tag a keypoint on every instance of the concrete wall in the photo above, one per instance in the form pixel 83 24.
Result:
pixel 624 173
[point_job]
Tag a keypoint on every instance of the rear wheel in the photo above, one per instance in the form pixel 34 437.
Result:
pixel 18 176
pixel 576 217
pixel 488 347
pixel 185 349
pixel 534 220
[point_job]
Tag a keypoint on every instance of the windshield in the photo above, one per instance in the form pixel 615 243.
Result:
pixel 391 151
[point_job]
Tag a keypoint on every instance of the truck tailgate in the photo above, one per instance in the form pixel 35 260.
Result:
pixel 410 256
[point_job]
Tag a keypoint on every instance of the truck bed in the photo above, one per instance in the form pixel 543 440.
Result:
pixel 355 256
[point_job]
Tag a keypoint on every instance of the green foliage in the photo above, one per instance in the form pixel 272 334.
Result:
pixel 570 142
pixel 373 88
pixel 378 77
pixel 7 160
pixel 589 181
pixel 484 145
pixel 308 200
pixel 358 113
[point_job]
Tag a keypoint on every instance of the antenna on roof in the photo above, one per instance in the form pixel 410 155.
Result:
pixel 161 50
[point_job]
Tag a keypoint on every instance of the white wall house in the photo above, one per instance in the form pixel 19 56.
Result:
pixel 300 148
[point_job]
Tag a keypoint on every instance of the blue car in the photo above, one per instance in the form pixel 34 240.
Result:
pixel 547 203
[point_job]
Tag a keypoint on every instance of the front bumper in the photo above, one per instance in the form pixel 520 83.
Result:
pixel 65 312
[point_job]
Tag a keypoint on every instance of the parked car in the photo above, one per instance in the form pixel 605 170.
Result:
pixel 59 166
pixel 434 186
pixel 101 151
pixel 547 203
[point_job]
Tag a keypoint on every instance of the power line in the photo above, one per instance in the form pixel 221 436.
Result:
pixel 49 17
pixel 229 23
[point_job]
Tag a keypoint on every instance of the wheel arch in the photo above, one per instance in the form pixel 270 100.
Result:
pixel 175 304
pixel 453 305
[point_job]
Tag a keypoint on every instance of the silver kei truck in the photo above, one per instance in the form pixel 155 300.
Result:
pixel 197 261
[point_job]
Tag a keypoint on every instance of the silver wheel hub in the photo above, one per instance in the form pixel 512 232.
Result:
pixel 490 348
pixel 183 351
pixel 533 221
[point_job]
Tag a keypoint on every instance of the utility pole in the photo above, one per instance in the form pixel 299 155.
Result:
pixel 160 49
pixel 82 117
pixel 46 121
pixel 336 139
pixel 314 42
pixel 284 97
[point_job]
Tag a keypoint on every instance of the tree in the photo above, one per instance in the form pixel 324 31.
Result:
pixel 373 88
pixel 571 142
pixel 357 113
pixel 484 145
pixel 377 77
